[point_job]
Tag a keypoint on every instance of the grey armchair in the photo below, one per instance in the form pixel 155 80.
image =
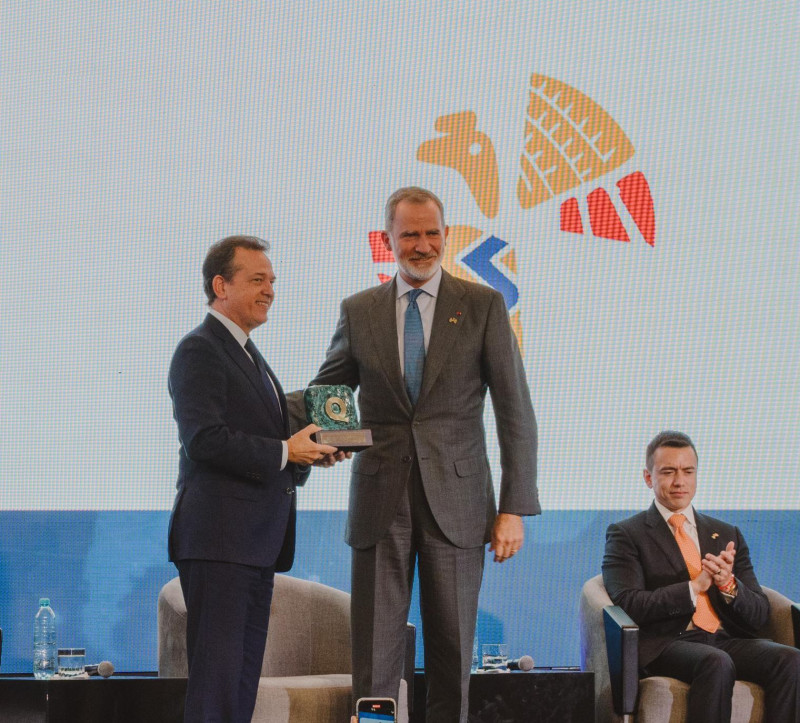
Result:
pixel 609 648
pixel 306 674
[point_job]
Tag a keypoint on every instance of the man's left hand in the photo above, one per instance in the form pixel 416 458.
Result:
pixel 508 535
pixel 331 459
pixel 720 567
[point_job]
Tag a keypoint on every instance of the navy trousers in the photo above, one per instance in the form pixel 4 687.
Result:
pixel 226 632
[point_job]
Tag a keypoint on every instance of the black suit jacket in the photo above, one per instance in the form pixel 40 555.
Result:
pixel 645 574
pixel 233 504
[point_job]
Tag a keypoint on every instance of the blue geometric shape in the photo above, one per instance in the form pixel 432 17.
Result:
pixel 480 261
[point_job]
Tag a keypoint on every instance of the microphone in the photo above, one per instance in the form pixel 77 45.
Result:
pixel 104 669
pixel 523 663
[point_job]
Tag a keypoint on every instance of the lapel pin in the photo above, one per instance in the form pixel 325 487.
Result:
pixel 458 313
pixel 715 536
pixel 453 320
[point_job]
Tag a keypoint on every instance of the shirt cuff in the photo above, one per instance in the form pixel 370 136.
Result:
pixel 285 455
pixel 693 594
pixel 730 595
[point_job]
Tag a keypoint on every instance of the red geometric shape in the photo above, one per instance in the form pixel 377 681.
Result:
pixel 383 278
pixel 603 216
pixel 636 196
pixel 380 254
pixel 571 216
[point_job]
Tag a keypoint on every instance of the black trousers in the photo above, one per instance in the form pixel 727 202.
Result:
pixel 712 662
pixel 226 632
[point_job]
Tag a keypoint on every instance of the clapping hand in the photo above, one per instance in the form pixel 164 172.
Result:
pixel 720 567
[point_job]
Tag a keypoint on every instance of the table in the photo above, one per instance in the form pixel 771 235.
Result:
pixel 540 696
pixel 119 699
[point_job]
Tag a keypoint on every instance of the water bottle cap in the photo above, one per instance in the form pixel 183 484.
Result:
pixel 44 602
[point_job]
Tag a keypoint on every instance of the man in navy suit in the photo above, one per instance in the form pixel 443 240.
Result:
pixel 233 521
pixel 686 579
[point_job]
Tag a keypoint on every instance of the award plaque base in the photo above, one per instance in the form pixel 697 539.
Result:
pixel 345 440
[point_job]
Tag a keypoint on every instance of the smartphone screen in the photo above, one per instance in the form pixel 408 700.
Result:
pixel 376 709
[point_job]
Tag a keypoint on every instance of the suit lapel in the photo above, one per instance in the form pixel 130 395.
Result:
pixel 383 325
pixel 448 320
pixel 709 539
pixel 240 358
pixel 662 537
pixel 281 397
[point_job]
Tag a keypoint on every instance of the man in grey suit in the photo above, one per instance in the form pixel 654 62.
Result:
pixel 424 349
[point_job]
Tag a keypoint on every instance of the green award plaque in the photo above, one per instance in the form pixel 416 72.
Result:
pixel 333 408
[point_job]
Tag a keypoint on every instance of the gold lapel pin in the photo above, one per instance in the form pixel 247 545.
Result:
pixel 715 536
pixel 453 320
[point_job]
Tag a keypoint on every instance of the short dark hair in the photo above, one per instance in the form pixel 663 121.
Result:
pixel 667 438
pixel 412 194
pixel 219 260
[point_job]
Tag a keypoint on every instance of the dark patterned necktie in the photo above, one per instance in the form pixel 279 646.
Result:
pixel 261 365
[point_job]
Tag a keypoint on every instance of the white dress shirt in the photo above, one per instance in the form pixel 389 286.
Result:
pixel 689 527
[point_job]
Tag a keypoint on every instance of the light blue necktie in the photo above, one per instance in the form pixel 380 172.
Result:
pixel 413 347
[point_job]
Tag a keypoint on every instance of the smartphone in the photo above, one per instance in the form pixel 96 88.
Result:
pixel 376 709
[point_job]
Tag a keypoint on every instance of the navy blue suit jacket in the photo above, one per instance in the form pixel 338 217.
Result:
pixel 233 504
pixel 645 574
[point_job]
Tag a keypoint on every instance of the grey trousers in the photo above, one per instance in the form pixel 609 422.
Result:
pixel 449 579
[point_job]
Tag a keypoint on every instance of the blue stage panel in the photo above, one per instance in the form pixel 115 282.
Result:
pixel 103 570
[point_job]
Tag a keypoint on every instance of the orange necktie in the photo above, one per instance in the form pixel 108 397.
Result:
pixel 704 616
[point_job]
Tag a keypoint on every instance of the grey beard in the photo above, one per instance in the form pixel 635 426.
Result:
pixel 417 274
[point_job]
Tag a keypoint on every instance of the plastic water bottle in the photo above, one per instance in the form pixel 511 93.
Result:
pixel 44 641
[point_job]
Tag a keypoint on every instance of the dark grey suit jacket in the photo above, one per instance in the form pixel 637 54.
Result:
pixel 472 349
pixel 233 503
pixel 646 575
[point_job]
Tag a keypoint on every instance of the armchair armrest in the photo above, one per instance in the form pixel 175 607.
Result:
pixel 622 647
pixel 796 623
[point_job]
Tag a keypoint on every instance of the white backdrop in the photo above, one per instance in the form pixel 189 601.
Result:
pixel 135 134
